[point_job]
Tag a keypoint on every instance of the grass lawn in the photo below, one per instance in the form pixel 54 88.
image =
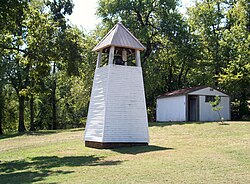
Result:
pixel 178 153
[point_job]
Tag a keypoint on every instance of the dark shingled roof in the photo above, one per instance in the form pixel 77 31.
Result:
pixel 181 91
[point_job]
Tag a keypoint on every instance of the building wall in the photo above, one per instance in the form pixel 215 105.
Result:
pixel 206 113
pixel 171 108
pixel 126 116
pixel 118 108
pixel 208 91
pixel 96 112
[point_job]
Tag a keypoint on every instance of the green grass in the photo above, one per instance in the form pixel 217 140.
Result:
pixel 178 153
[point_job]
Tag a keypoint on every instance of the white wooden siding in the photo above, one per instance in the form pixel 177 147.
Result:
pixel 119 106
pixel 206 113
pixel 171 108
pixel 96 112
pixel 208 91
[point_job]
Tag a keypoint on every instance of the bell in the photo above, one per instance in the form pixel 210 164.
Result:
pixel 118 60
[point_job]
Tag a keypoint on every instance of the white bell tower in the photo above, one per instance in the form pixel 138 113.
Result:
pixel 117 113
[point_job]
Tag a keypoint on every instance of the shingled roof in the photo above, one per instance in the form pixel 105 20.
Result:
pixel 181 92
pixel 119 36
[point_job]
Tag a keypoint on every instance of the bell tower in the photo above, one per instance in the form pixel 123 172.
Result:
pixel 117 113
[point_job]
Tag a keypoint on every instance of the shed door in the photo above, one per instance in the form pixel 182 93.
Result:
pixel 193 108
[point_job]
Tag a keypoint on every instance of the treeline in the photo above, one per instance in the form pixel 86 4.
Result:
pixel 47 66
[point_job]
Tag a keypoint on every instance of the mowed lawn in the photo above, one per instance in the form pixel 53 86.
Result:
pixel 178 153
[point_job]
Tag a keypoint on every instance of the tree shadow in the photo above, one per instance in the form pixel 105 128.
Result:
pixel 38 168
pixel 38 133
pixel 224 124
pixel 29 176
pixel 35 133
pixel 140 149
pixel 170 123
pixel 6 136
pixel 77 129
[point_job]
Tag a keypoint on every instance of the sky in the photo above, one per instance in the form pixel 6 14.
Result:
pixel 84 13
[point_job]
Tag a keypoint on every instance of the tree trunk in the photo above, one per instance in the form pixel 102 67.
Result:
pixel 243 108
pixel 54 117
pixel 179 83
pixel 21 127
pixel 1 110
pixel 170 76
pixel 217 65
pixel 32 125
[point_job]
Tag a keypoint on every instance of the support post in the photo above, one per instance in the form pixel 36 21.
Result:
pixel 125 57
pixel 137 58
pixel 99 58
pixel 111 54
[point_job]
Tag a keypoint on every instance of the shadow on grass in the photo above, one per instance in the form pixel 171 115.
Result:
pixel 38 168
pixel 38 133
pixel 77 129
pixel 139 149
pixel 170 123
pixel 224 124
pixel 6 136
pixel 29 176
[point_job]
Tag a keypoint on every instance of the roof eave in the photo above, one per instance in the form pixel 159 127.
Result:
pixel 167 96
pixel 109 45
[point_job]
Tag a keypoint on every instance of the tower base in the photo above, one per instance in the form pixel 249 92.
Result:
pixel 117 114
pixel 107 145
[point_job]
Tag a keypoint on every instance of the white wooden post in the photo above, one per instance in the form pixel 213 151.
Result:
pixel 99 58
pixel 137 58
pixel 111 54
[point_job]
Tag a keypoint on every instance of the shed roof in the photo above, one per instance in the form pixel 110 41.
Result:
pixel 181 91
pixel 119 36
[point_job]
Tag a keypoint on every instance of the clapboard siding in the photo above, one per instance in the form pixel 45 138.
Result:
pixel 117 111
pixel 96 113
pixel 171 109
pixel 126 118
pixel 206 114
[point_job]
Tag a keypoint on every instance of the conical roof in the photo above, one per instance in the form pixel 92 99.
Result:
pixel 119 36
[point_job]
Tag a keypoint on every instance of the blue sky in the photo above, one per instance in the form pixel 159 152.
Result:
pixel 84 13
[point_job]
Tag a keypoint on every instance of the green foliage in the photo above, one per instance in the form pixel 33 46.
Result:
pixel 47 67
pixel 235 77
pixel 216 107
pixel 223 31
pixel 35 38
pixel 215 104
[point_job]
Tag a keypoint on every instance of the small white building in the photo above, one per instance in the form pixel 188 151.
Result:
pixel 191 104
pixel 117 113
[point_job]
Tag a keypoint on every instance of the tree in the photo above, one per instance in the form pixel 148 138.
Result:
pixel 11 34
pixel 236 73
pixel 29 43
pixel 1 108
pixel 59 9
pixel 206 20
pixel 216 107
pixel 223 31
